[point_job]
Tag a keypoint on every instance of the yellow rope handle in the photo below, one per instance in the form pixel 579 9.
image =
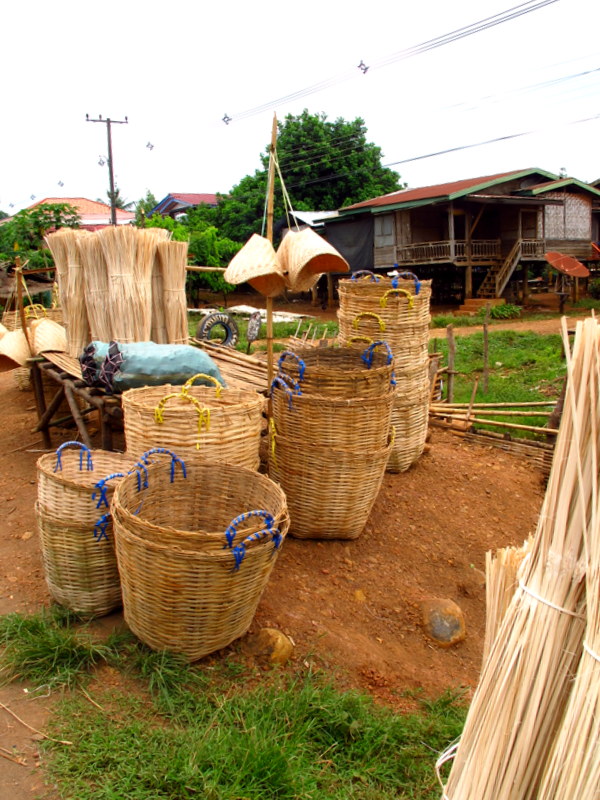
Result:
pixel 33 310
pixel 392 436
pixel 384 298
pixel 365 339
pixel 363 314
pixel 203 413
pixel 273 434
pixel 188 384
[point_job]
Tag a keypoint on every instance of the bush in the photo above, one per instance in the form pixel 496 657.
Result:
pixel 505 311
pixel 594 288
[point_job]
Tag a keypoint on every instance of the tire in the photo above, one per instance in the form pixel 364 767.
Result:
pixel 219 320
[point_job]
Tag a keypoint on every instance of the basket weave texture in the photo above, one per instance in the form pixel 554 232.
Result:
pixel 191 579
pixel 196 422
pixel 79 559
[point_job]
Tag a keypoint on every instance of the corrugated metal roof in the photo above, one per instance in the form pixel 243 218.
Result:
pixel 443 191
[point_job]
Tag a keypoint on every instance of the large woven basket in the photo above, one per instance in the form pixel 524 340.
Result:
pixel 410 420
pixel 330 492
pixel 350 423
pixel 81 570
pixel 197 590
pixel 74 491
pixel 339 372
pixel 367 283
pixel 195 422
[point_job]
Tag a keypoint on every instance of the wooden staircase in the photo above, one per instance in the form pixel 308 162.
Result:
pixel 499 275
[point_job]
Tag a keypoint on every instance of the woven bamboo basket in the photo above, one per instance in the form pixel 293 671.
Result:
pixel 348 423
pixel 410 419
pixel 409 343
pixel 330 492
pixel 339 372
pixel 81 570
pixel 393 306
pixel 197 422
pixel 410 379
pixel 67 482
pixel 197 597
pixel 367 283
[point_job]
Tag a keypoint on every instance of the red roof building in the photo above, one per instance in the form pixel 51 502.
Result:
pixel 92 213
pixel 178 203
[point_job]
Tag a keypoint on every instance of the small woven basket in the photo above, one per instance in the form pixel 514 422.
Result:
pixel 330 492
pixel 341 372
pixel 197 422
pixel 195 590
pixel 351 423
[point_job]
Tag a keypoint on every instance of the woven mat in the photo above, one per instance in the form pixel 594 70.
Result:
pixel 66 363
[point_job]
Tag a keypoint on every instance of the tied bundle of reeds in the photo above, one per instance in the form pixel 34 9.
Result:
pixel 130 312
pixel 173 262
pixel 522 695
pixel 97 300
pixel 143 268
pixel 158 331
pixel 501 582
pixel 63 244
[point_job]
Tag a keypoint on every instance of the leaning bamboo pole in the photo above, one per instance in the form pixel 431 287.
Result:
pixel 522 694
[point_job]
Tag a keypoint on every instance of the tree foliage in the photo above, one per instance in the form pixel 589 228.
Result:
pixel 325 166
pixel 143 207
pixel 24 233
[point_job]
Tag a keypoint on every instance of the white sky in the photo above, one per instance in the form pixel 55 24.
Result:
pixel 175 68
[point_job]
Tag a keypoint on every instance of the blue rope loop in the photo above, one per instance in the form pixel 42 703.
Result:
pixel 293 384
pixel 101 486
pixel 279 380
pixel 84 449
pixel 139 469
pixel 231 530
pixel 407 276
pixel 361 272
pixel 100 528
pixel 144 458
pixel 369 353
pixel 301 364
pixel 239 551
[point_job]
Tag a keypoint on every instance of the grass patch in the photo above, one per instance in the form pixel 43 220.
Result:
pixel 293 738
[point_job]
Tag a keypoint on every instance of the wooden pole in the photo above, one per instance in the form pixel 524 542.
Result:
pixel 20 308
pixel 330 298
pixel 486 348
pixel 451 359
pixel 270 199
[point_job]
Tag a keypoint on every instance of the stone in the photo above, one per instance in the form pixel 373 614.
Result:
pixel 443 621
pixel 269 644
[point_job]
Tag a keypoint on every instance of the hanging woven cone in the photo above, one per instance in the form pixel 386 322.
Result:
pixel 305 256
pixel 257 264
pixel 14 350
pixel 3 330
pixel 48 335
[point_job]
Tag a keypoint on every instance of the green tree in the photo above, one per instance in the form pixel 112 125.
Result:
pixel 325 165
pixel 120 202
pixel 23 235
pixel 143 207
pixel 3 214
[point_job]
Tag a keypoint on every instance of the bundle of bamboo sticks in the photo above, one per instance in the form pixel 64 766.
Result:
pixel 239 370
pixel 519 705
pixel 71 282
pixel 496 415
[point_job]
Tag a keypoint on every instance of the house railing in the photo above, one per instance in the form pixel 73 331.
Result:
pixel 533 248
pixel 449 251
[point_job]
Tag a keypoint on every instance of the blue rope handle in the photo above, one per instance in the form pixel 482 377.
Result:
pixel 301 364
pixel 138 469
pixel 100 528
pixel 231 530
pixel 144 459
pixel 368 354
pixel 239 551
pixel 102 488
pixel 407 276
pixel 293 384
pixel 374 278
pixel 278 381
pixel 84 449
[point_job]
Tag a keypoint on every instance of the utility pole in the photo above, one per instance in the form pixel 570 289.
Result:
pixel 108 122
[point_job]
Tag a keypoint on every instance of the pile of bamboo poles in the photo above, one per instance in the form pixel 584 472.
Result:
pixel 462 416
pixel 531 731
pixel 121 283
pixel 239 371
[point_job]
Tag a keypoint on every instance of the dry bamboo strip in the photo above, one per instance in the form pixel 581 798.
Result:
pixel 439 412
pixel 119 245
pixel 524 686
pixel 143 266
pixel 96 287
pixel 512 425
pixel 494 405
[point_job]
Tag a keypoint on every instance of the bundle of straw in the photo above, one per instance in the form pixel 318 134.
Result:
pixel 96 287
pixel 143 266
pixel 501 582
pixel 63 244
pixel 173 262
pixel 158 331
pixel 524 687
pixel 128 311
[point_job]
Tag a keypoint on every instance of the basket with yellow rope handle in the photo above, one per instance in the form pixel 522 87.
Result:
pixel 203 422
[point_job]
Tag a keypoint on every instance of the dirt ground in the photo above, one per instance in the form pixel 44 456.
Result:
pixel 352 607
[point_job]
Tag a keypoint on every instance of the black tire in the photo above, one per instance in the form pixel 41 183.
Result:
pixel 219 320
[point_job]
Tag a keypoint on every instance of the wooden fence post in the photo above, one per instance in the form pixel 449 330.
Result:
pixel 486 348
pixel 451 359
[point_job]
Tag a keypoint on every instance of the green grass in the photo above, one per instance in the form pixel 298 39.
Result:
pixel 288 737
pixel 218 730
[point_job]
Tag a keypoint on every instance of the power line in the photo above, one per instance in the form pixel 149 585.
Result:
pixel 447 38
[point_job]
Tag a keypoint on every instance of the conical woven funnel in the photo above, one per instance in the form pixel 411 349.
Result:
pixel 305 256
pixel 14 350
pixel 3 330
pixel 48 335
pixel 257 264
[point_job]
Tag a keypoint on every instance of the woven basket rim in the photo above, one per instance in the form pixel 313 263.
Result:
pixel 244 398
pixel 59 476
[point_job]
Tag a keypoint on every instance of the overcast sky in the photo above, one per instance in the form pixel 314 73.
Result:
pixel 174 69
